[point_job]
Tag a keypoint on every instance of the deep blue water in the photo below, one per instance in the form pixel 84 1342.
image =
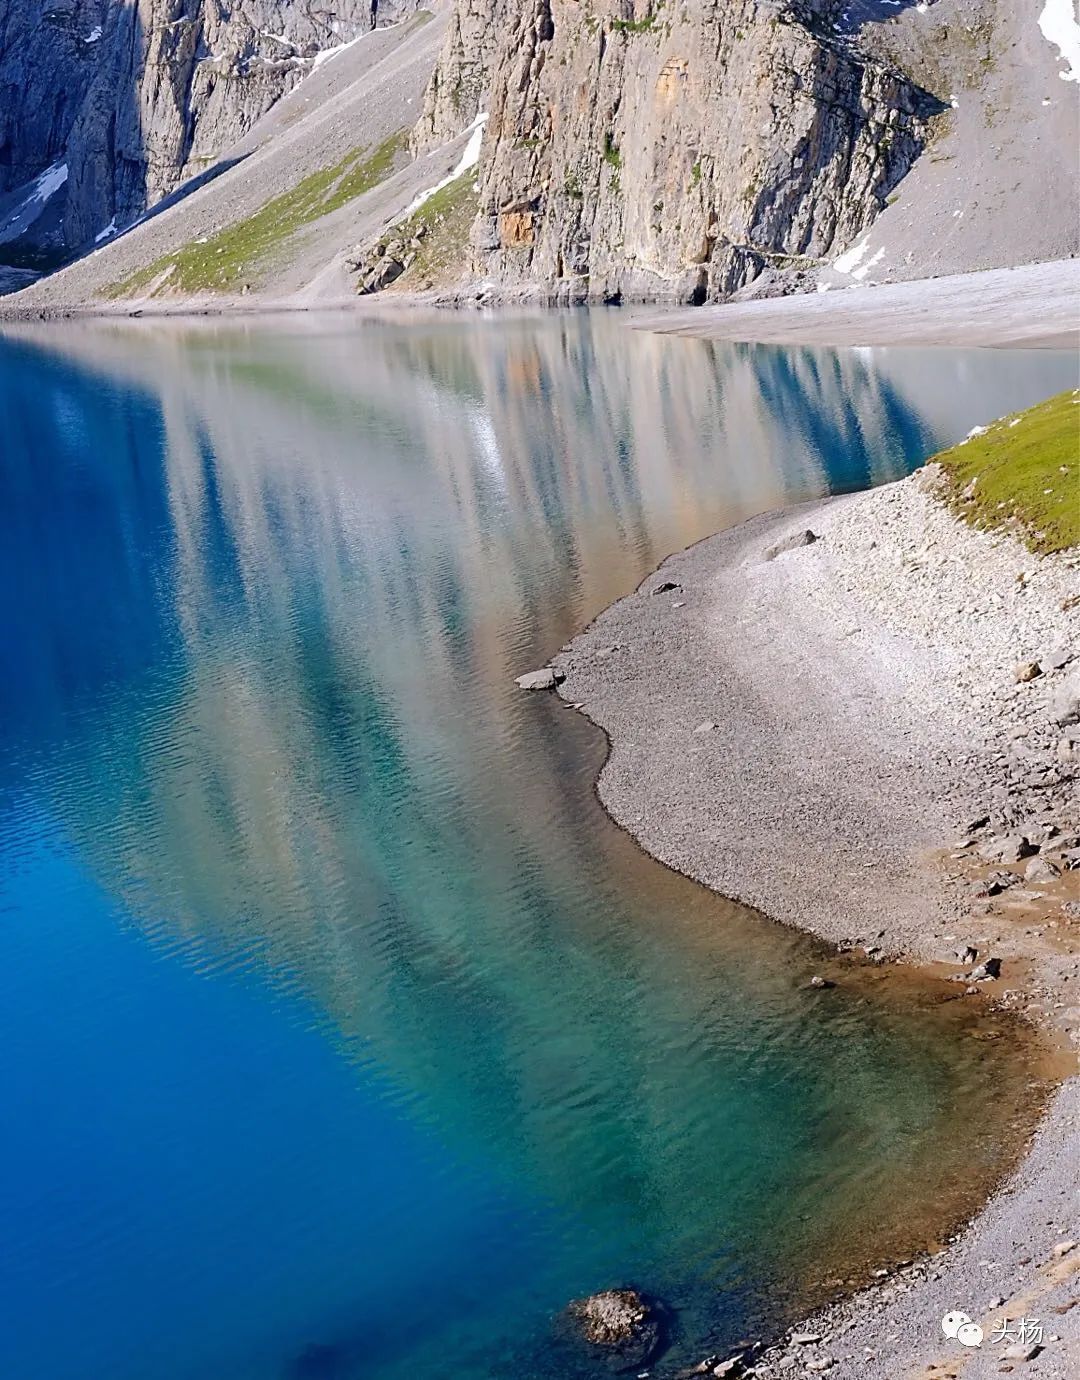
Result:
pixel 343 1035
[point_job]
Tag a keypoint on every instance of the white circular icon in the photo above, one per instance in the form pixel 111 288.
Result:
pixel 951 1323
pixel 971 1334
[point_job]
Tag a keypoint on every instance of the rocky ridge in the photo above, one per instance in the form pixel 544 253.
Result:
pixel 669 151
pixel 109 107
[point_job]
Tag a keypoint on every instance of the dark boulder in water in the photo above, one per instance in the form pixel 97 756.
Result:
pixel 622 1324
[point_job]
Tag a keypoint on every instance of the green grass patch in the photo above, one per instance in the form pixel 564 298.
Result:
pixel 634 26
pixel 1023 473
pixel 638 26
pixel 437 233
pixel 237 254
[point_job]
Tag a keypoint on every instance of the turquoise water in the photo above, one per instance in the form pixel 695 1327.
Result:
pixel 344 1035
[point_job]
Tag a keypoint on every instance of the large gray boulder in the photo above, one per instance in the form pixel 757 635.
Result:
pixel 1065 701
pixel 545 679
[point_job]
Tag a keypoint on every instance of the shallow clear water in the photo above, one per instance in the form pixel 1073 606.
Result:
pixel 344 1035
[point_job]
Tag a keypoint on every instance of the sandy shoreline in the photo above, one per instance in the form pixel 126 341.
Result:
pixel 812 734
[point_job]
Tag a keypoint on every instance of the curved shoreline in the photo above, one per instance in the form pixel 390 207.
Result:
pixel 861 710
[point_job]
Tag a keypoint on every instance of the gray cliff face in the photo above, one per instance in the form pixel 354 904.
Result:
pixel 125 101
pixel 458 89
pixel 670 150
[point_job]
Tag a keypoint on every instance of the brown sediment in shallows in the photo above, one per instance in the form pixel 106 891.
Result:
pixel 861 717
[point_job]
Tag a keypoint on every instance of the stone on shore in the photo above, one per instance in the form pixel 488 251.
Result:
pixel 1040 870
pixel 1027 670
pixel 790 543
pixel 1010 848
pixel 1021 1351
pixel 545 679
pixel 1065 704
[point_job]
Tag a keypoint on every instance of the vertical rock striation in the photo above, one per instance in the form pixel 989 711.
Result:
pixel 669 149
pixel 126 99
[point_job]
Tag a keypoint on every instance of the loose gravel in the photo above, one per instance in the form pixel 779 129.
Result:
pixel 813 732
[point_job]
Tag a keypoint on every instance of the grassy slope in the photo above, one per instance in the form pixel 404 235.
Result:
pixel 443 222
pixel 239 253
pixel 1023 473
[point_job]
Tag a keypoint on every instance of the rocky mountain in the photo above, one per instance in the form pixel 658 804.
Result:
pixel 687 148
pixel 107 106
pixel 671 148
pixel 561 150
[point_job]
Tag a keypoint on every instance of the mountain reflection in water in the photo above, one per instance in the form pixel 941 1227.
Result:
pixel 353 1038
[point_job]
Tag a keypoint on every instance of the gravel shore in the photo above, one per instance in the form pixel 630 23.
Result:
pixel 815 730
pixel 1036 305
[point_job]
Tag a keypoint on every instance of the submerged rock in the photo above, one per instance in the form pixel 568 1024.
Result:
pixel 626 1325
pixel 545 679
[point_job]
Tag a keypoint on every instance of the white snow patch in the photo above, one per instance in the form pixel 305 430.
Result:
pixel 106 233
pixel 849 260
pixel 469 159
pixel 861 272
pixel 328 53
pixel 1058 25
pixel 823 287
pixel 50 181
pixel 93 35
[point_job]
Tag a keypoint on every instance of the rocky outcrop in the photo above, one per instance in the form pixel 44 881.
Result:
pixel 125 101
pixel 670 150
pixel 459 87
pixel 623 1325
